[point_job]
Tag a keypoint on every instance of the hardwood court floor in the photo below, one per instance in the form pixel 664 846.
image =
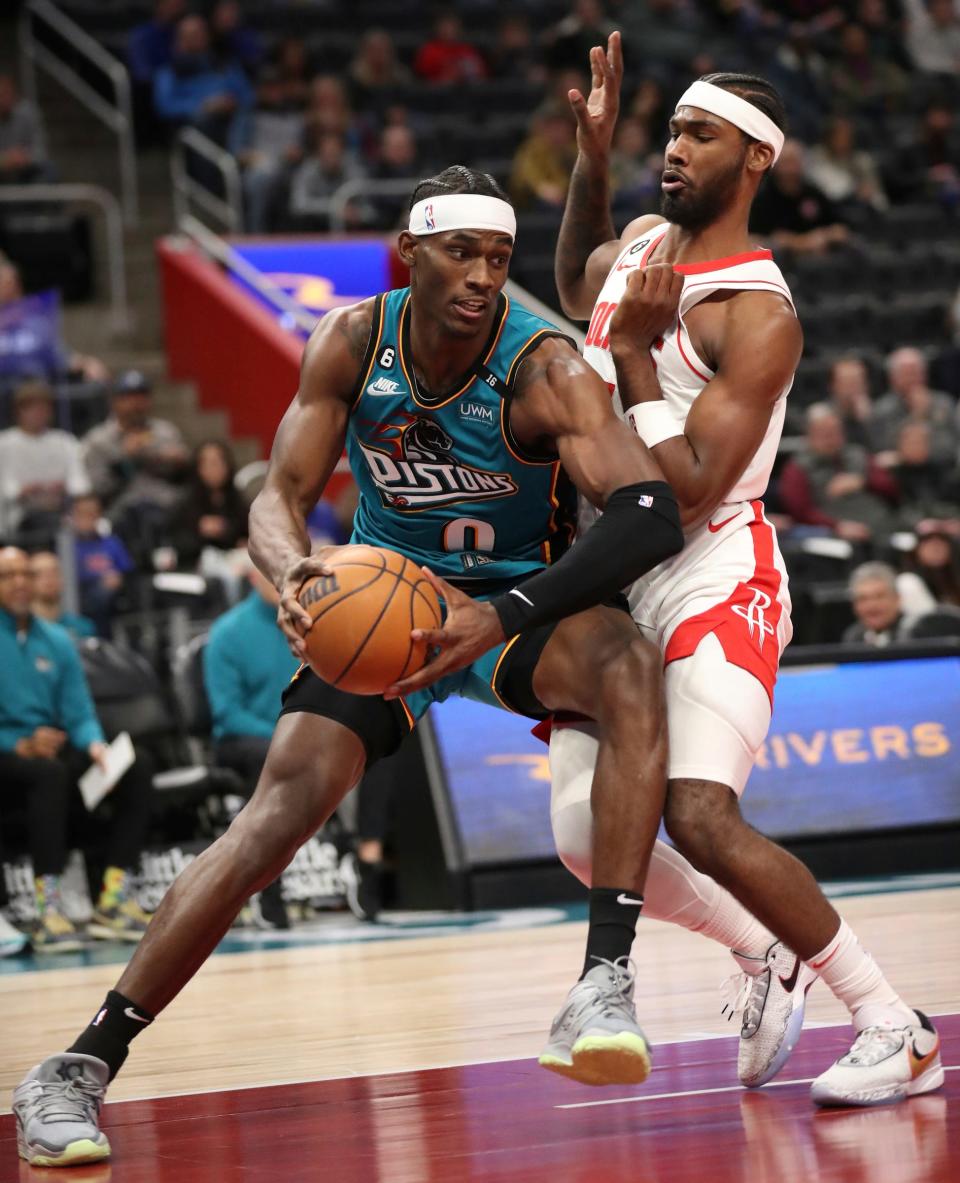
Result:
pixel 250 1021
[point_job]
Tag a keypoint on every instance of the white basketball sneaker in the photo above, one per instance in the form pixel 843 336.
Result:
pixel 595 1039
pixel 885 1064
pixel 772 1003
pixel 57 1107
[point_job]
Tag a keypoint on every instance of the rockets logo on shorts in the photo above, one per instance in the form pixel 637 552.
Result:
pixel 753 614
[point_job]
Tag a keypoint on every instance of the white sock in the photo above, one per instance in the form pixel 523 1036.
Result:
pixel 855 978
pixel 676 892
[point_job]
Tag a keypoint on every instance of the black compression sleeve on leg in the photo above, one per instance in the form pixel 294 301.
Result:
pixel 639 528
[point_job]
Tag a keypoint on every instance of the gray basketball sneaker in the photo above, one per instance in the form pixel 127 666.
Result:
pixel 772 1002
pixel 57 1105
pixel 595 1039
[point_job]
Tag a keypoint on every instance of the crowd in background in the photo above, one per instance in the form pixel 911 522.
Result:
pixel 100 494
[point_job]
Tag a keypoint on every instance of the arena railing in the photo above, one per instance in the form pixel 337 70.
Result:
pixel 294 315
pixel 107 204
pixel 118 116
pixel 228 210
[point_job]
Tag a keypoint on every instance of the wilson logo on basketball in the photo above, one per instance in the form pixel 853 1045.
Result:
pixel 421 472
pixel 323 585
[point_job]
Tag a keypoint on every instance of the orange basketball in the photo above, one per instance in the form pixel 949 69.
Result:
pixel 362 617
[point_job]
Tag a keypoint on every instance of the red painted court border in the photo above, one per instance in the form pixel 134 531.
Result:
pixel 511 1121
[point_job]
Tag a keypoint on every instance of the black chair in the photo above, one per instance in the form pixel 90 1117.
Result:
pixel 129 697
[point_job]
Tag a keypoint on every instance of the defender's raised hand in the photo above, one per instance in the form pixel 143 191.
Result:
pixel 597 114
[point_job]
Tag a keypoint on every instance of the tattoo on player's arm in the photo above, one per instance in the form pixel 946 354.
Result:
pixel 587 224
pixel 356 329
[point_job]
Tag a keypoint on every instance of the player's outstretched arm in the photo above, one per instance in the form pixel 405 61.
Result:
pixel 587 245
pixel 587 233
pixel 757 349
pixel 307 446
pixel 560 401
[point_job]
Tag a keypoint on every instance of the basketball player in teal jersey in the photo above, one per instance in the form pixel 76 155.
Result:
pixel 458 410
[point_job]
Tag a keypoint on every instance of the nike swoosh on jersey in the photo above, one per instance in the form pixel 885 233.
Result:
pixel 719 526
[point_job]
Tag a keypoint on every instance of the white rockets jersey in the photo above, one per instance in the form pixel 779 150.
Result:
pixel 681 373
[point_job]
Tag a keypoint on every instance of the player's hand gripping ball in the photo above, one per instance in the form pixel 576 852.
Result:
pixel 363 614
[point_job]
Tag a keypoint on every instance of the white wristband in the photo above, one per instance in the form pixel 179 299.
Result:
pixel 653 422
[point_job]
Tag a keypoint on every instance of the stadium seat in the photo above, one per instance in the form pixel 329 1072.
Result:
pixel 129 697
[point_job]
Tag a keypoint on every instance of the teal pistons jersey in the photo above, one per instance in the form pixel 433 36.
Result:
pixel 441 479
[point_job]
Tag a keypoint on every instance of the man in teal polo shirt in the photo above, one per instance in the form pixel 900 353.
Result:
pixel 49 733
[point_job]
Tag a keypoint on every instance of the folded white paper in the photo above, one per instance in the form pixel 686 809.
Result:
pixel 96 782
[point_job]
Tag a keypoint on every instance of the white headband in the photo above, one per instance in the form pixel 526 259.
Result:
pixel 735 110
pixel 462 211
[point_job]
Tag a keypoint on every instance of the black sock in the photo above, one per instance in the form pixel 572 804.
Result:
pixel 613 925
pixel 111 1030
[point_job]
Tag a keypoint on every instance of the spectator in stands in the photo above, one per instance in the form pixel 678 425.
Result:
pixel 30 342
pixel 246 667
pixel 447 58
pixel 329 113
pixel 49 733
pixel 928 487
pixel 47 603
pixel 103 562
pixel 927 163
pixel 212 511
pixel 40 467
pixel 376 73
pixel 792 212
pixel 150 45
pixel 650 106
pixel 884 33
pixel 861 84
pixel 801 74
pixel 845 175
pixel 272 146
pixel 135 461
pixel 933 35
pixel 194 90
pixel 515 55
pixel 231 41
pixel 398 159
pixel 849 389
pixel 327 167
pixel 835 484
pixel 23 148
pixel 911 399
pixel 543 162
pixel 936 560
pixel 635 170
pixel 293 66
pixel 879 609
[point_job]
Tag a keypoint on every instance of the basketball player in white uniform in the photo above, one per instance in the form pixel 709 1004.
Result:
pixel 708 396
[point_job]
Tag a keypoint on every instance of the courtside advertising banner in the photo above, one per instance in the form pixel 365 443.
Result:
pixel 852 748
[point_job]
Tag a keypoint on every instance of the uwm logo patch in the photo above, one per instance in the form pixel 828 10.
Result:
pixel 417 470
